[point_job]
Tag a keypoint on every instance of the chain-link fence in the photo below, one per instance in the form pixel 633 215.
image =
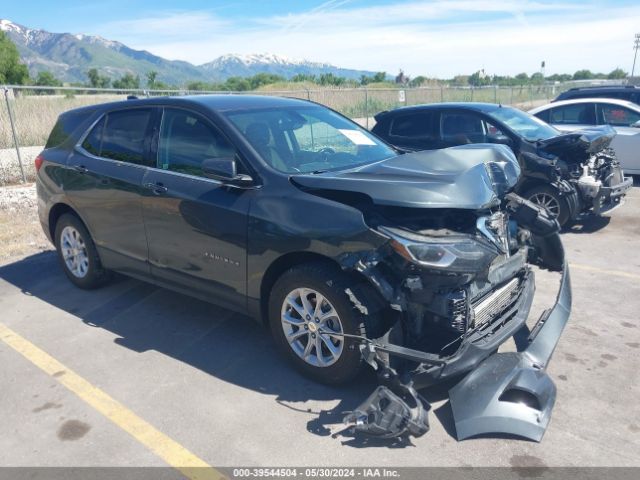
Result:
pixel 27 113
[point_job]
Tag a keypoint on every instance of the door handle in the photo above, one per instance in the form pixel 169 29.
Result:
pixel 156 188
pixel 81 169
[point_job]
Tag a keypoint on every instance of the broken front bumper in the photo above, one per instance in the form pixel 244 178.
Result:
pixel 611 197
pixel 511 392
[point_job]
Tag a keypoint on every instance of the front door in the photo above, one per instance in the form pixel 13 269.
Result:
pixel 196 226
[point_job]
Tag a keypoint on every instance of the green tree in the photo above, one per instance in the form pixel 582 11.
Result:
pixel 380 77
pixel 560 77
pixel 537 78
pixel 617 74
pixel 46 79
pixel 127 82
pixel 260 79
pixel 479 79
pixel 522 78
pixel 304 77
pixel 151 79
pixel 96 80
pixel 11 70
pixel 418 81
pixel 583 75
pixel 237 84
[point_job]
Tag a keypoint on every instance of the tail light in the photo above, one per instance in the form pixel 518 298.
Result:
pixel 38 162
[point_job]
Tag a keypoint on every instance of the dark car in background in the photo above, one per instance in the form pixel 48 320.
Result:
pixel 418 264
pixel 568 174
pixel 630 93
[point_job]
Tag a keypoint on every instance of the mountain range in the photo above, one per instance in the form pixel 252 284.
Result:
pixel 69 56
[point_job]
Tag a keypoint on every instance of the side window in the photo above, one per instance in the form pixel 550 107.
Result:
pixel 462 128
pixel 186 139
pixel 414 125
pixel 64 127
pixel 123 136
pixel 617 115
pixel 577 114
pixel 93 141
pixel 544 115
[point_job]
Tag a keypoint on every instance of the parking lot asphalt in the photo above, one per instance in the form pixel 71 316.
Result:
pixel 210 382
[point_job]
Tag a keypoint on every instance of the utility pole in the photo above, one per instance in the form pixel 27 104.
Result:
pixel 636 46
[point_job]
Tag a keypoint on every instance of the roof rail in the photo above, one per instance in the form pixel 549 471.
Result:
pixel 132 97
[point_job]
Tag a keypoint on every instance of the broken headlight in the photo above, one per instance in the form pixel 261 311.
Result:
pixel 454 254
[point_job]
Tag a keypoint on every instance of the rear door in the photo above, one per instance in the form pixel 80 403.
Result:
pixel 104 183
pixel 196 226
pixel 627 141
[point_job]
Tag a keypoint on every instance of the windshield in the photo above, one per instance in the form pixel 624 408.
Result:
pixel 308 139
pixel 525 125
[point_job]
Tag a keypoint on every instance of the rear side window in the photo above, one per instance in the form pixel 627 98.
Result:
pixel 64 127
pixel 580 113
pixel 414 125
pixel 120 136
pixel 618 116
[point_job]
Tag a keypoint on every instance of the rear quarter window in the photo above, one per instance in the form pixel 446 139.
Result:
pixel 63 129
pixel 543 115
pixel 414 125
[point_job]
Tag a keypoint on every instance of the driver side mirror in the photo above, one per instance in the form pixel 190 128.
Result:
pixel 636 124
pixel 225 170
pixel 500 139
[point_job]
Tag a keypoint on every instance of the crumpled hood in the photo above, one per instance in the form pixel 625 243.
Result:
pixel 469 176
pixel 587 141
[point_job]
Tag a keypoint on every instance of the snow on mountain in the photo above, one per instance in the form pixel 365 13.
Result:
pixel 69 56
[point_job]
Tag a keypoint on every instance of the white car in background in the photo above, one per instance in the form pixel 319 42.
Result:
pixel 623 116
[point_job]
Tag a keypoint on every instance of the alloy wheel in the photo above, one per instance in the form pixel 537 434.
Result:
pixel 312 327
pixel 547 201
pixel 74 252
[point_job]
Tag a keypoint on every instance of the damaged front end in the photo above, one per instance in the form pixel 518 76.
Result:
pixel 456 274
pixel 591 176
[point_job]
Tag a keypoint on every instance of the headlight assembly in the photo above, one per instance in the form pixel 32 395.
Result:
pixel 453 254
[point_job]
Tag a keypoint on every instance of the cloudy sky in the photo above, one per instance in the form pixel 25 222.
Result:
pixel 434 38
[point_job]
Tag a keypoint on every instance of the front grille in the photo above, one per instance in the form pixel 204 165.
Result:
pixel 495 303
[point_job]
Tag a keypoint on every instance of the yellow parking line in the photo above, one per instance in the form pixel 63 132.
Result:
pixel 169 450
pixel 617 273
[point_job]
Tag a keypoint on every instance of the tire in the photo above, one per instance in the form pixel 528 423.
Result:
pixel 552 201
pixel 330 282
pixel 82 264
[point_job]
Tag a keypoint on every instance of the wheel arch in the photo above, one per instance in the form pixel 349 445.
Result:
pixel 56 212
pixel 290 260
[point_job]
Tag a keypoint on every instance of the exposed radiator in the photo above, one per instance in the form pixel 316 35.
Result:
pixel 495 303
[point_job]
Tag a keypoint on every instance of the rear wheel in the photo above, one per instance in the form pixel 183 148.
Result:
pixel 309 309
pixel 77 253
pixel 550 199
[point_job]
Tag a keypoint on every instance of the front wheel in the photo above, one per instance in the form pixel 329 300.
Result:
pixel 550 199
pixel 309 310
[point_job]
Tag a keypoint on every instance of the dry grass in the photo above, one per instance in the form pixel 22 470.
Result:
pixel 35 115
pixel 20 230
